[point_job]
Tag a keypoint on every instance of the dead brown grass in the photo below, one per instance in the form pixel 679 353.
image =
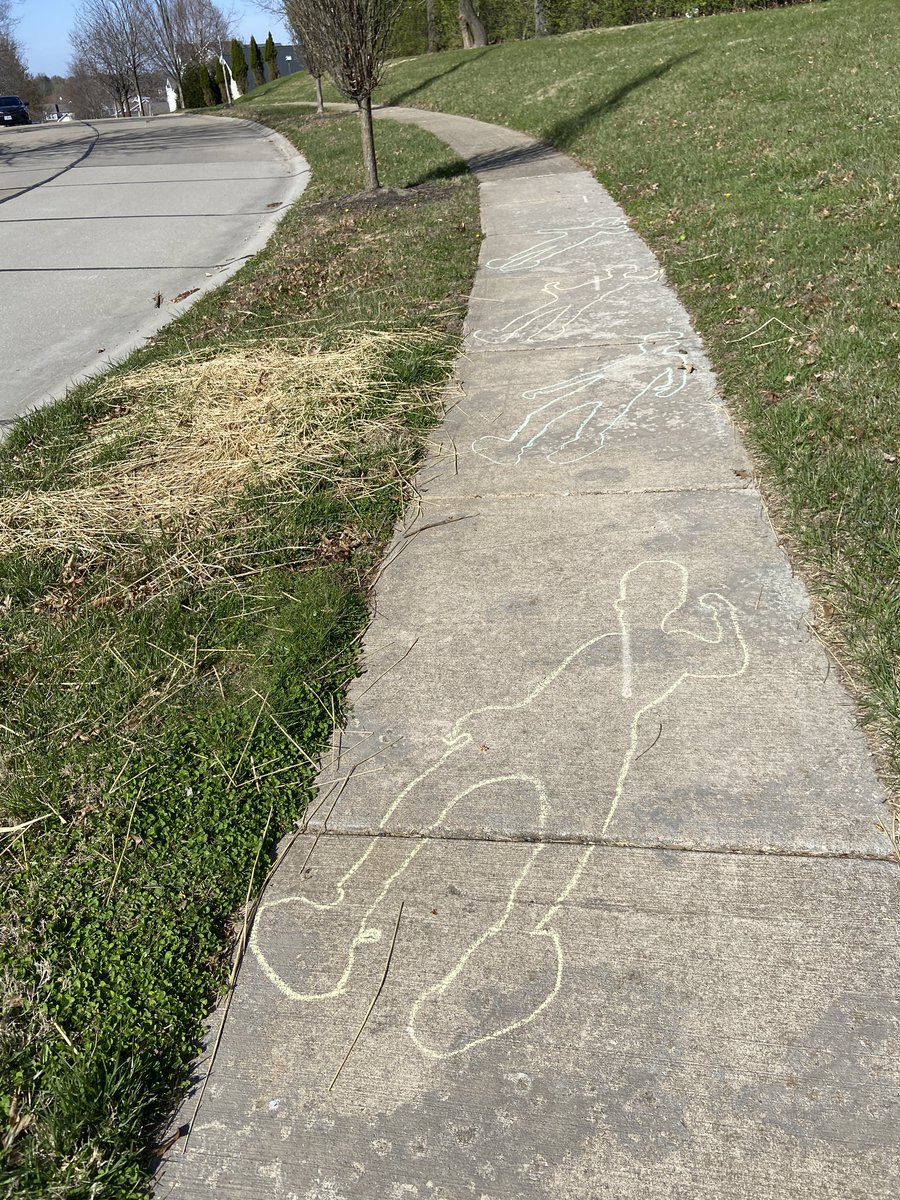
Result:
pixel 188 435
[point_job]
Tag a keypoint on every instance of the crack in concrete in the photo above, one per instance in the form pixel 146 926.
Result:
pixel 659 846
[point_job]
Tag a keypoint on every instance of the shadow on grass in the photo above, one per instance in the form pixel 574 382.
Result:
pixel 421 86
pixel 565 131
pixel 442 174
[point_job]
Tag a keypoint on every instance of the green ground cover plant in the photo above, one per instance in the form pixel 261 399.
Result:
pixel 756 152
pixel 185 550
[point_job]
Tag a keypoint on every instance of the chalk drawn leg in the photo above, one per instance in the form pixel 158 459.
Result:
pixel 571 309
pixel 572 418
pixel 503 980
pixel 330 933
pixel 558 242
pixel 565 406
pixel 513 971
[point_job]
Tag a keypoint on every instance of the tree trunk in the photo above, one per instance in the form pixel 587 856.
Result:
pixel 320 103
pixel 540 19
pixel 473 31
pixel 432 26
pixel 368 141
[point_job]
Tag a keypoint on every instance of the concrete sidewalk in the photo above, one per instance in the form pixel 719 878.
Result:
pixel 596 867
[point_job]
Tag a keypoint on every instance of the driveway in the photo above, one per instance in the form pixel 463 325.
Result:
pixel 105 224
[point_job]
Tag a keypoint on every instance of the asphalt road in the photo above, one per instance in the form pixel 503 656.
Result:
pixel 103 225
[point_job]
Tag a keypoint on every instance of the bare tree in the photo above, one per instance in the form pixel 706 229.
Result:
pixel 305 35
pixel 13 73
pixel 14 77
pixel 88 93
pixel 7 20
pixel 116 36
pixel 431 22
pixel 185 32
pixel 351 37
pixel 471 26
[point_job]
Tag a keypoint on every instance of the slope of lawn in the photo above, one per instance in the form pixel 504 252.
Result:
pixel 185 550
pixel 757 153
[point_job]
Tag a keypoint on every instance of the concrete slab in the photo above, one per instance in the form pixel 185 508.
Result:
pixel 596 419
pixel 676 1027
pixel 122 193
pixel 578 245
pixel 621 301
pixel 29 154
pixel 575 197
pixel 132 242
pixel 578 668
pixel 179 138
pixel 138 175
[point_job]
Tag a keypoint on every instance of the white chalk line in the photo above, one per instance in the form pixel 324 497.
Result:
pixel 457 739
pixel 558 318
pixel 667 382
pixel 564 241
pixel 365 934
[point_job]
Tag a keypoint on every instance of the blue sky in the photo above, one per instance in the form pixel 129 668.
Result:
pixel 44 25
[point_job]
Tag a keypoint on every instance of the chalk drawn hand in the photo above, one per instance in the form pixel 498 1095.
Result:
pixel 571 308
pixel 557 242
pixel 573 417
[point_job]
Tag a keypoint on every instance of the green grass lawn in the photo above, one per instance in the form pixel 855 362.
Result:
pixel 185 550
pixel 757 153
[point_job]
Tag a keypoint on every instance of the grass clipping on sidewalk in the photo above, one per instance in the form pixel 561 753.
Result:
pixel 187 434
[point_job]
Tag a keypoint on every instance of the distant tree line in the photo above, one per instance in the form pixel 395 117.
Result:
pixel 427 25
pixel 123 49
pixel 14 77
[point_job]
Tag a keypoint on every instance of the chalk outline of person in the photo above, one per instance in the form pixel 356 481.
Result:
pixel 557 242
pixel 459 738
pixel 555 318
pixel 665 384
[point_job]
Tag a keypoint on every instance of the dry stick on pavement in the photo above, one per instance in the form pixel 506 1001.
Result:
pixel 371 1007
pixel 239 954
pixel 436 524
pixel 409 649
pixel 250 912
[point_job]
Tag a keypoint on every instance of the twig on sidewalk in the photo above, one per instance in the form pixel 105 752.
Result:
pixel 378 992
pixel 249 914
pixel 435 524
pixel 388 670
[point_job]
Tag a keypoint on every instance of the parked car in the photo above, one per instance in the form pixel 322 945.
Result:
pixel 13 111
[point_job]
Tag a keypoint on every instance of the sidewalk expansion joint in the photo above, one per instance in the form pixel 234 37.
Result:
pixel 542 350
pixel 724 489
pixel 888 856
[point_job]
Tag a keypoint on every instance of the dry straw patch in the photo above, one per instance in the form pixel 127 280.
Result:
pixel 192 432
